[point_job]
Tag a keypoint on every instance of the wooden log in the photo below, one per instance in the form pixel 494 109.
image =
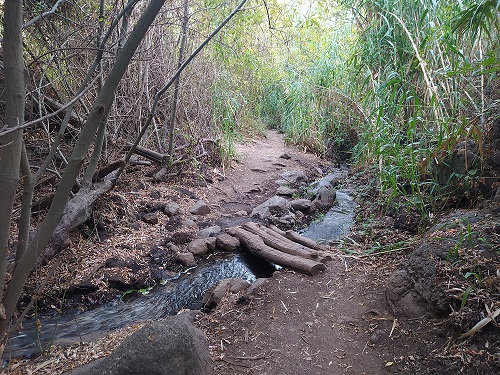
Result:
pixel 148 154
pixel 276 232
pixel 295 237
pixel 257 247
pixel 284 244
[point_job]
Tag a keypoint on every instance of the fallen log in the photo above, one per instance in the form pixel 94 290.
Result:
pixel 295 237
pixel 257 247
pixel 323 254
pixel 154 156
pixel 284 244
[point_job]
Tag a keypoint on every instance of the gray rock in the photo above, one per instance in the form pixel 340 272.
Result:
pixel 121 263
pixel 168 347
pixel 287 220
pixel 211 243
pixel 198 246
pixel 172 209
pixel 331 180
pixel 210 231
pixel 200 208
pixel 325 197
pixel 233 285
pixel 186 259
pixel 294 177
pixel 189 223
pixel 227 243
pixel 150 218
pixel 286 191
pixel 285 156
pixel 301 204
pixel 274 206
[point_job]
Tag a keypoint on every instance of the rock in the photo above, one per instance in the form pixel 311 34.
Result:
pixel 325 197
pixel 294 177
pixel 301 204
pixel 256 286
pixel 198 246
pixel 276 206
pixel 233 285
pixel 121 263
pixel 172 209
pixel 331 180
pixel 200 208
pixel 186 259
pixel 285 156
pixel 84 287
pixel 414 289
pixel 170 346
pixel 211 243
pixel 120 280
pixel 209 232
pixel 241 213
pixel 226 242
pixel 189 223
pixel 287 220
pixel 150 218
pixel 286 191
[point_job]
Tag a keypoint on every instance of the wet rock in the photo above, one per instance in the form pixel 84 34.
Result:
pixel 286 191
pixel 301 204
pixel 171 346
pixel 200 208
pixel 186 259
pixel 209 232
pixel 274 206
pixel 172 209
pixel 325 197
pixel 198 246
pixel 226 242
pixel 232 285
pixel 331 180
pixel 150 218
pixel 121 280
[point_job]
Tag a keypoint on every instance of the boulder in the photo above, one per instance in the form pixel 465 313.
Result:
pixel 294 177
pixel 301 204
pixel 226 242
pixel 150 218
pixel 198 246
pixel 325 197
pixel 171 346
pixel 172 209
pixel 186 259
pixel 232 285
pixel 211 243
pixel 286 191
pixel 209 232
pixel 274 206
pixel 200 208
pixel 331 180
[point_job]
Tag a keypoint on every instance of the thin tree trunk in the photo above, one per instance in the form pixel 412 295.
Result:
pixel 11 144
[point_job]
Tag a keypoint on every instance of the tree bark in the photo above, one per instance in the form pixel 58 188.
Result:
pixel 257 247
pixel 11 144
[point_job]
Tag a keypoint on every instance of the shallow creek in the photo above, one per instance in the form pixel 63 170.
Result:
pixel 185 291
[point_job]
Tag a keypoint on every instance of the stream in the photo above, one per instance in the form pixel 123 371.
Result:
pixel 185 291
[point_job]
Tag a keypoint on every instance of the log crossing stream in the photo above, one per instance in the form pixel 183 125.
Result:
pixel 185 291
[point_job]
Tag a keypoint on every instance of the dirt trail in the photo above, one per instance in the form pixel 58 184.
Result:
pixel 334 323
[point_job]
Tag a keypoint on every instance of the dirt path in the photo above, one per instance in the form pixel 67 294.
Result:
pixel 334 323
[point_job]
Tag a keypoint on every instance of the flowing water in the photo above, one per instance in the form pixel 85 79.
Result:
pixel 182 292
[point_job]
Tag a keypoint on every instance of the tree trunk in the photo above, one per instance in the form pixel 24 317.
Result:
pixel 284 244
pixel 295 237
pixel 11 144
pixel 257 247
